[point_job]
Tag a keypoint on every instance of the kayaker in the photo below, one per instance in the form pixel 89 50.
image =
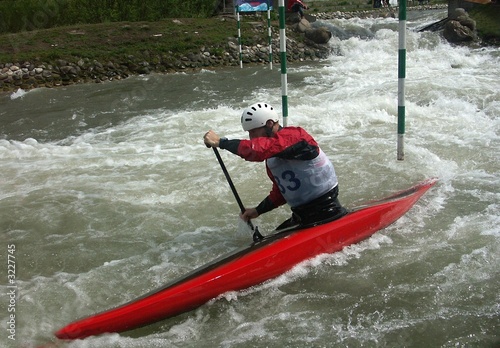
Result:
pixel 301 173
pixel 297 6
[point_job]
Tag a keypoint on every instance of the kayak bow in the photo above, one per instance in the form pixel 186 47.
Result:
pixel 254 264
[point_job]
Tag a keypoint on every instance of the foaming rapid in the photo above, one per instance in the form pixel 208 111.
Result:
pixel 108 192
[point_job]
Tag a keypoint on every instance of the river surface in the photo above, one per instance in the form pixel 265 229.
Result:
pixel 107 192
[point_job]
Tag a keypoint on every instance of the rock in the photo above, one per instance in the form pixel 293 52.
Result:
pixel 460 27
pixel 455 32
pixel 61 62
pixel 143 70
pixel 319 35
pixel 232 46
pixel 303 25
pixel 458 12
pixel 65 69
pixel 461 16
pixel 468 22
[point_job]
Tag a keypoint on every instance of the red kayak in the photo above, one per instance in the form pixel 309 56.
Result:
pixel 262 260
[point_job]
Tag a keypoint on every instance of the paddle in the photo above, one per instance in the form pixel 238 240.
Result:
pixel 256 234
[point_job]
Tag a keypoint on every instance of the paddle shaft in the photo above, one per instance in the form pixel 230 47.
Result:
pixel 231 185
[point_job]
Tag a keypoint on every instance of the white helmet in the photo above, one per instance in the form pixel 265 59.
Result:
pixel 256 116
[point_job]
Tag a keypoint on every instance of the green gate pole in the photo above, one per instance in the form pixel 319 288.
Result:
pixel 401 78
pixel 269 34
pixel 239 35
pixel 284 91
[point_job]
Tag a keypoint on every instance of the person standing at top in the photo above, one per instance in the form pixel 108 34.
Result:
pixel 297 6
pixel 301 173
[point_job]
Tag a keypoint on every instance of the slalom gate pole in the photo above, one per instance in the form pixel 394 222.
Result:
pixel 239 35
pixel 269 34
pixel 401 78
pixel 284 88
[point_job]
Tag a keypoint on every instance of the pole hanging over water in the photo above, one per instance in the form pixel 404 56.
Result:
pixel 401 78
pixel 284 91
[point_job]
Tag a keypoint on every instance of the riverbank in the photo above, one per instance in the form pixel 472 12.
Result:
pixel 114 51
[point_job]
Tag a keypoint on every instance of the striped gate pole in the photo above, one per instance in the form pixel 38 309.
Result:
pixel 269 34
pixel 284 91
pixel 239 36
pixel 401 78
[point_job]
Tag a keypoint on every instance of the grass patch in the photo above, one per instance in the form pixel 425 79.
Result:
pixel 118 40
pixel 487 19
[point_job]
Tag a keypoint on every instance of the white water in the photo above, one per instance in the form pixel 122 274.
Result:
pixel 107 192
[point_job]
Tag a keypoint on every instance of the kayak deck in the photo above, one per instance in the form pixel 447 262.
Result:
pixel 248 266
